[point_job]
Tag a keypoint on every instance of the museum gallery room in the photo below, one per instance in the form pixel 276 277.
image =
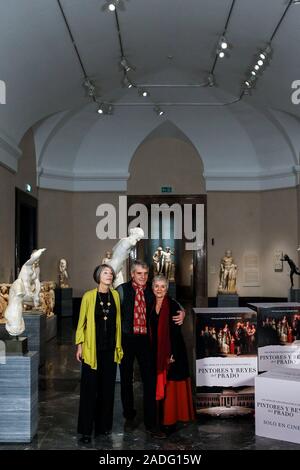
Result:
pixel 150 225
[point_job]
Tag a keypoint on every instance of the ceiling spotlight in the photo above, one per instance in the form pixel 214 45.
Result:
pixel 266 52
pixel 105 108
pixel 143 92
pixel 256 67
pixel 260 62
pixel 127 83
pixel 211 80
pixel 159 111
pixel 90 87
pixel 223 43
pixel 253 73
pixel 221 54
pixel 247 83
pixel 125 64
pixel 111 7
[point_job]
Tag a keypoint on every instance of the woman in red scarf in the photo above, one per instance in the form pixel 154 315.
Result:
pixel 173 383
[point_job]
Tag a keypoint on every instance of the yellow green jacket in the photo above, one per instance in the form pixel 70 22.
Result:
pixel 86 328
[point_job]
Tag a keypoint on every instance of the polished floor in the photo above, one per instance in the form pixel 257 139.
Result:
pixel 58 406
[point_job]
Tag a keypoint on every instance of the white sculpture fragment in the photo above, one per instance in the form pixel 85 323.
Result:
pixel 24 289
pixel 121 252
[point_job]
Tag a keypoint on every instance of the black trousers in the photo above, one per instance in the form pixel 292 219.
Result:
pixel 97 390
pixel 138 346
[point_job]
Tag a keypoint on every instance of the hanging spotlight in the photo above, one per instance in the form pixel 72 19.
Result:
pixel 159 111
pixel 105 108
pixel 127 83
pixel 211 80
pixel 100 109
pixel 144 93
pixel 90 87
pixel 262 60
pixel 125 64
pixel 223 42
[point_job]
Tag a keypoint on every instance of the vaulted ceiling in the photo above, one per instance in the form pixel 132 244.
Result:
pixel 172 45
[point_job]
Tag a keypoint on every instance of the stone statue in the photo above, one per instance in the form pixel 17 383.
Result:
pixel 228 271
pixel 293 268
pixel 4 297
pixel 29 274
pixel 158 261
pixel 63 276
pixel 25 289
pixel 47 297
pixel 167 263
pixel 121 250
pixel 107 258
pixel 14 313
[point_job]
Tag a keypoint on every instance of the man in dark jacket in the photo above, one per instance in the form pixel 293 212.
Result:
pixel 136 300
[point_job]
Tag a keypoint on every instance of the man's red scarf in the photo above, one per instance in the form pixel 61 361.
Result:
pixel 139 313
pixel 163 348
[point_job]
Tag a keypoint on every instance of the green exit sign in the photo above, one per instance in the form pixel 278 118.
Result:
pixel 166 189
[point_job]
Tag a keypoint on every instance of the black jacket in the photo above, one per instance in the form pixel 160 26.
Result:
pixel 179 370
pixel 127 296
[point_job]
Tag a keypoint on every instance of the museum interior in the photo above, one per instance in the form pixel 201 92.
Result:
pixel 108 110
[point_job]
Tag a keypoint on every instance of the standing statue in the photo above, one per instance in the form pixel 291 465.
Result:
pixel 29 274
pixel 293 268
pixel 121 252
pixel 23 290
pixel 158 261
pixel 63 276
pixel 167 263
pixel 14 313
pixel 227 277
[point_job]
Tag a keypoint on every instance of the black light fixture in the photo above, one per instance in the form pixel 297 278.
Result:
pixel 125 64
pixel 158 111
pixel 105 108
pixel 127 83
pixel 144 93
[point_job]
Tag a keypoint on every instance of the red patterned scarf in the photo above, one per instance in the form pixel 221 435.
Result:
pixel 163 349
pixel 139 313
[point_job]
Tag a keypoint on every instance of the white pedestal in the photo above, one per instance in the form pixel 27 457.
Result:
pixel 277 405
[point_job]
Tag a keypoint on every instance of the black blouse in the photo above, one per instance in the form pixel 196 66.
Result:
pixel 105 322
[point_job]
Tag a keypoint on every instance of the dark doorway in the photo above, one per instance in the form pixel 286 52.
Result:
pixel 189 284
pixel 26 228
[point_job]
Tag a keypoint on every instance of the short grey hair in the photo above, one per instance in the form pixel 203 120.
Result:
pixel 138 262
pixel 160 278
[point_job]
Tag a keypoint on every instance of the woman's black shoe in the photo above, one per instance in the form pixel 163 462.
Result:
pixel 85 439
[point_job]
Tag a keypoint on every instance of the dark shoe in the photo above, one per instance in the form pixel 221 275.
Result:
pixel 156 433
pixel 85 439
pixel 129 425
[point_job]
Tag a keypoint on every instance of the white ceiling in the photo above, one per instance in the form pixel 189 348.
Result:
pixel 257 136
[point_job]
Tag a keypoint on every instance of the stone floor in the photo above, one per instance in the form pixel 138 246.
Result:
pixel 58 406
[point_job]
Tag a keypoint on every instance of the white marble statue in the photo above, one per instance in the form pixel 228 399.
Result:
pixel 121 252
pixel 29 274
pixel 14 312
pixel 63 277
